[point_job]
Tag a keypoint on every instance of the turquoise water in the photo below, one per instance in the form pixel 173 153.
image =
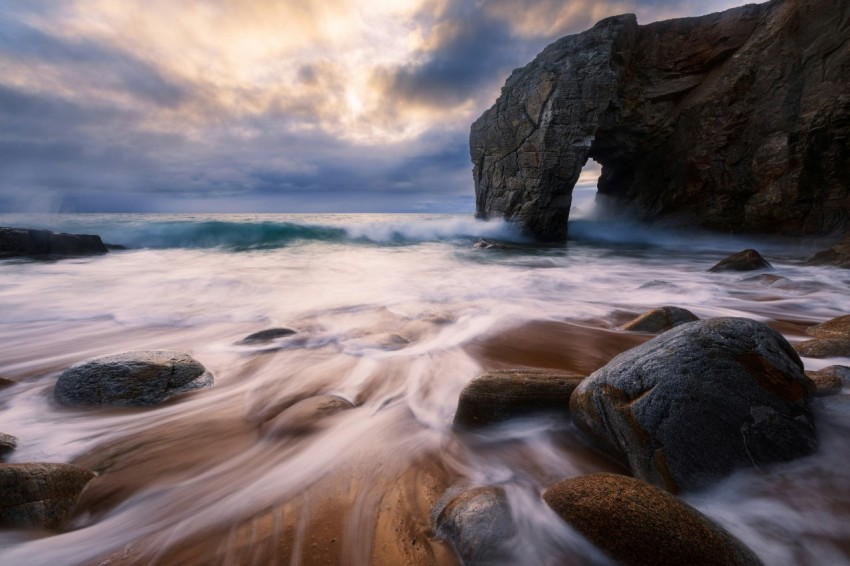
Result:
pixel 386 308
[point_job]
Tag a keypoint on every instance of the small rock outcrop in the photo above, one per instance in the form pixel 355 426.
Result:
pixel 747 260
pixel 7 443
pixel 25 242
pixel 660 319
pixel 40 495
pixel 735 121
pixel 699 402
pixel 838 255
pixel 830 380
pixel 267 335
pixel 499 395
pixel 477 522
pixel 824 348
pixel 131 379
pixel 305 415
pixel 636 523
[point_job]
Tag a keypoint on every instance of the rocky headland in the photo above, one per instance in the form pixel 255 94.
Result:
pixel 736 121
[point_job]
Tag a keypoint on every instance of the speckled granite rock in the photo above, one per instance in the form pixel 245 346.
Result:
pixel 660 319
pixel 39 495
pixel 771 155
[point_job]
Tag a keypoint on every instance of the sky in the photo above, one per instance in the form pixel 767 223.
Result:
pixel 264 105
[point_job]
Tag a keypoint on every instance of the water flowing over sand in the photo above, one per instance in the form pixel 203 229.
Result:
pixel 394 313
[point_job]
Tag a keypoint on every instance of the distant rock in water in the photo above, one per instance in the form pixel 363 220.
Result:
pixel 305 415
pixel 499 395
pixel 830 380
pixel 637 524
pixel 838 255
pixel 267 335
pixel 698 402
pixel 735 121
pixel 747 260
pixel 131 379
pixel 660 319
pixel 40 495
pixel 24 242
pixel 7 443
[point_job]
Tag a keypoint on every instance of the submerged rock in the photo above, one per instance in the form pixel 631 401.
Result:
pixel 131 379
pixel 829 380
pixel 698 402
pixel 824 348
pixel 771 154
pixel 40 495
pixel 499 395
pixel 478 523
pixel 768 279
pixel 24 242
pixel 747 260
pixel 838 255
pixel 838 327
pixel 637 524
pixel 6 382
pixel 660 319
pixel 7 443
pixel 305 415
pixel 267 335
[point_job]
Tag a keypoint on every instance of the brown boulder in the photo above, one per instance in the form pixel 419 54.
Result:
pixel 824 348
pixel 838 327
pixel 638 524
pixel 499 395
pixel 40 495
pixel 829 380
pixel 660 319
pixel 747 260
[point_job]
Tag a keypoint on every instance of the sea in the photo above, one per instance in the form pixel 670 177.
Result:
pixel 394 313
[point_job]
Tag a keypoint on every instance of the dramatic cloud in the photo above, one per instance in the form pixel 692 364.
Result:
pixel 262 105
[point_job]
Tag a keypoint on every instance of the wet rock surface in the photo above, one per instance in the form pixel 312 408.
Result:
pixel 829 380
pixel 824 348
pixel 25 242
pixel 838 327
pixel 7 443
pixel 747 260
pixel 636 523
pixel 498 395
pixel 477 522
pixel 131 379
pixel 40 495
pixel 771 156
pixel 305 415
pixel 267 335
pixel 660 319
pixel 838 255
pixel 698 402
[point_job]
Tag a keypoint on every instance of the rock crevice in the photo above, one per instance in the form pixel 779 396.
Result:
pixel 735 121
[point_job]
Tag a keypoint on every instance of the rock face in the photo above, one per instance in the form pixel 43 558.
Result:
pixel 131 379
pixel 636 523
pixel 698 402
pixel 39 495
pixel 747 260
pixel 736 121
pixel 498 395
pixel 660 319
pixel 16 242
pixel 477 522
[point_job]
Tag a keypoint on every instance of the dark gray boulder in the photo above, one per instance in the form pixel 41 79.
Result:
pixel 40 495
pixel 305 415
pixel 660 319
pixel 824 348
pixel 25 242
pixel 637 524
pixel 477 522
pixel 699 402
pixel 131 379
pixel 747 260
pixel 267 335
pixel 499 395
pixel 7 443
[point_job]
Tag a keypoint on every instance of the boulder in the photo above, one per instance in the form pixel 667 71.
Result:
pixel 824 348
pixel 499 395
pixel 660 319
pixel 829 380
pixel 305 415
pixel 267 335
pixel 771 151
pixel 747 260
pixel 838 327
pixel 838 255
pixel 6 382
pixel 40 495
pixel 131 379
pixel 18 242
pixel 699 402
pixel 478 524
pixel 637 524
pixel 7 443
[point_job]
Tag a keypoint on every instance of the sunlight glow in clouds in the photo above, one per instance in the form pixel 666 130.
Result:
pixel 272 104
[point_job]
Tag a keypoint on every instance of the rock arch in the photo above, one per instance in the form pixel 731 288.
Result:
pixel 737 121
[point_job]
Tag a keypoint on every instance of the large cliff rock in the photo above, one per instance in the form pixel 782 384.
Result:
pixel 737 121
